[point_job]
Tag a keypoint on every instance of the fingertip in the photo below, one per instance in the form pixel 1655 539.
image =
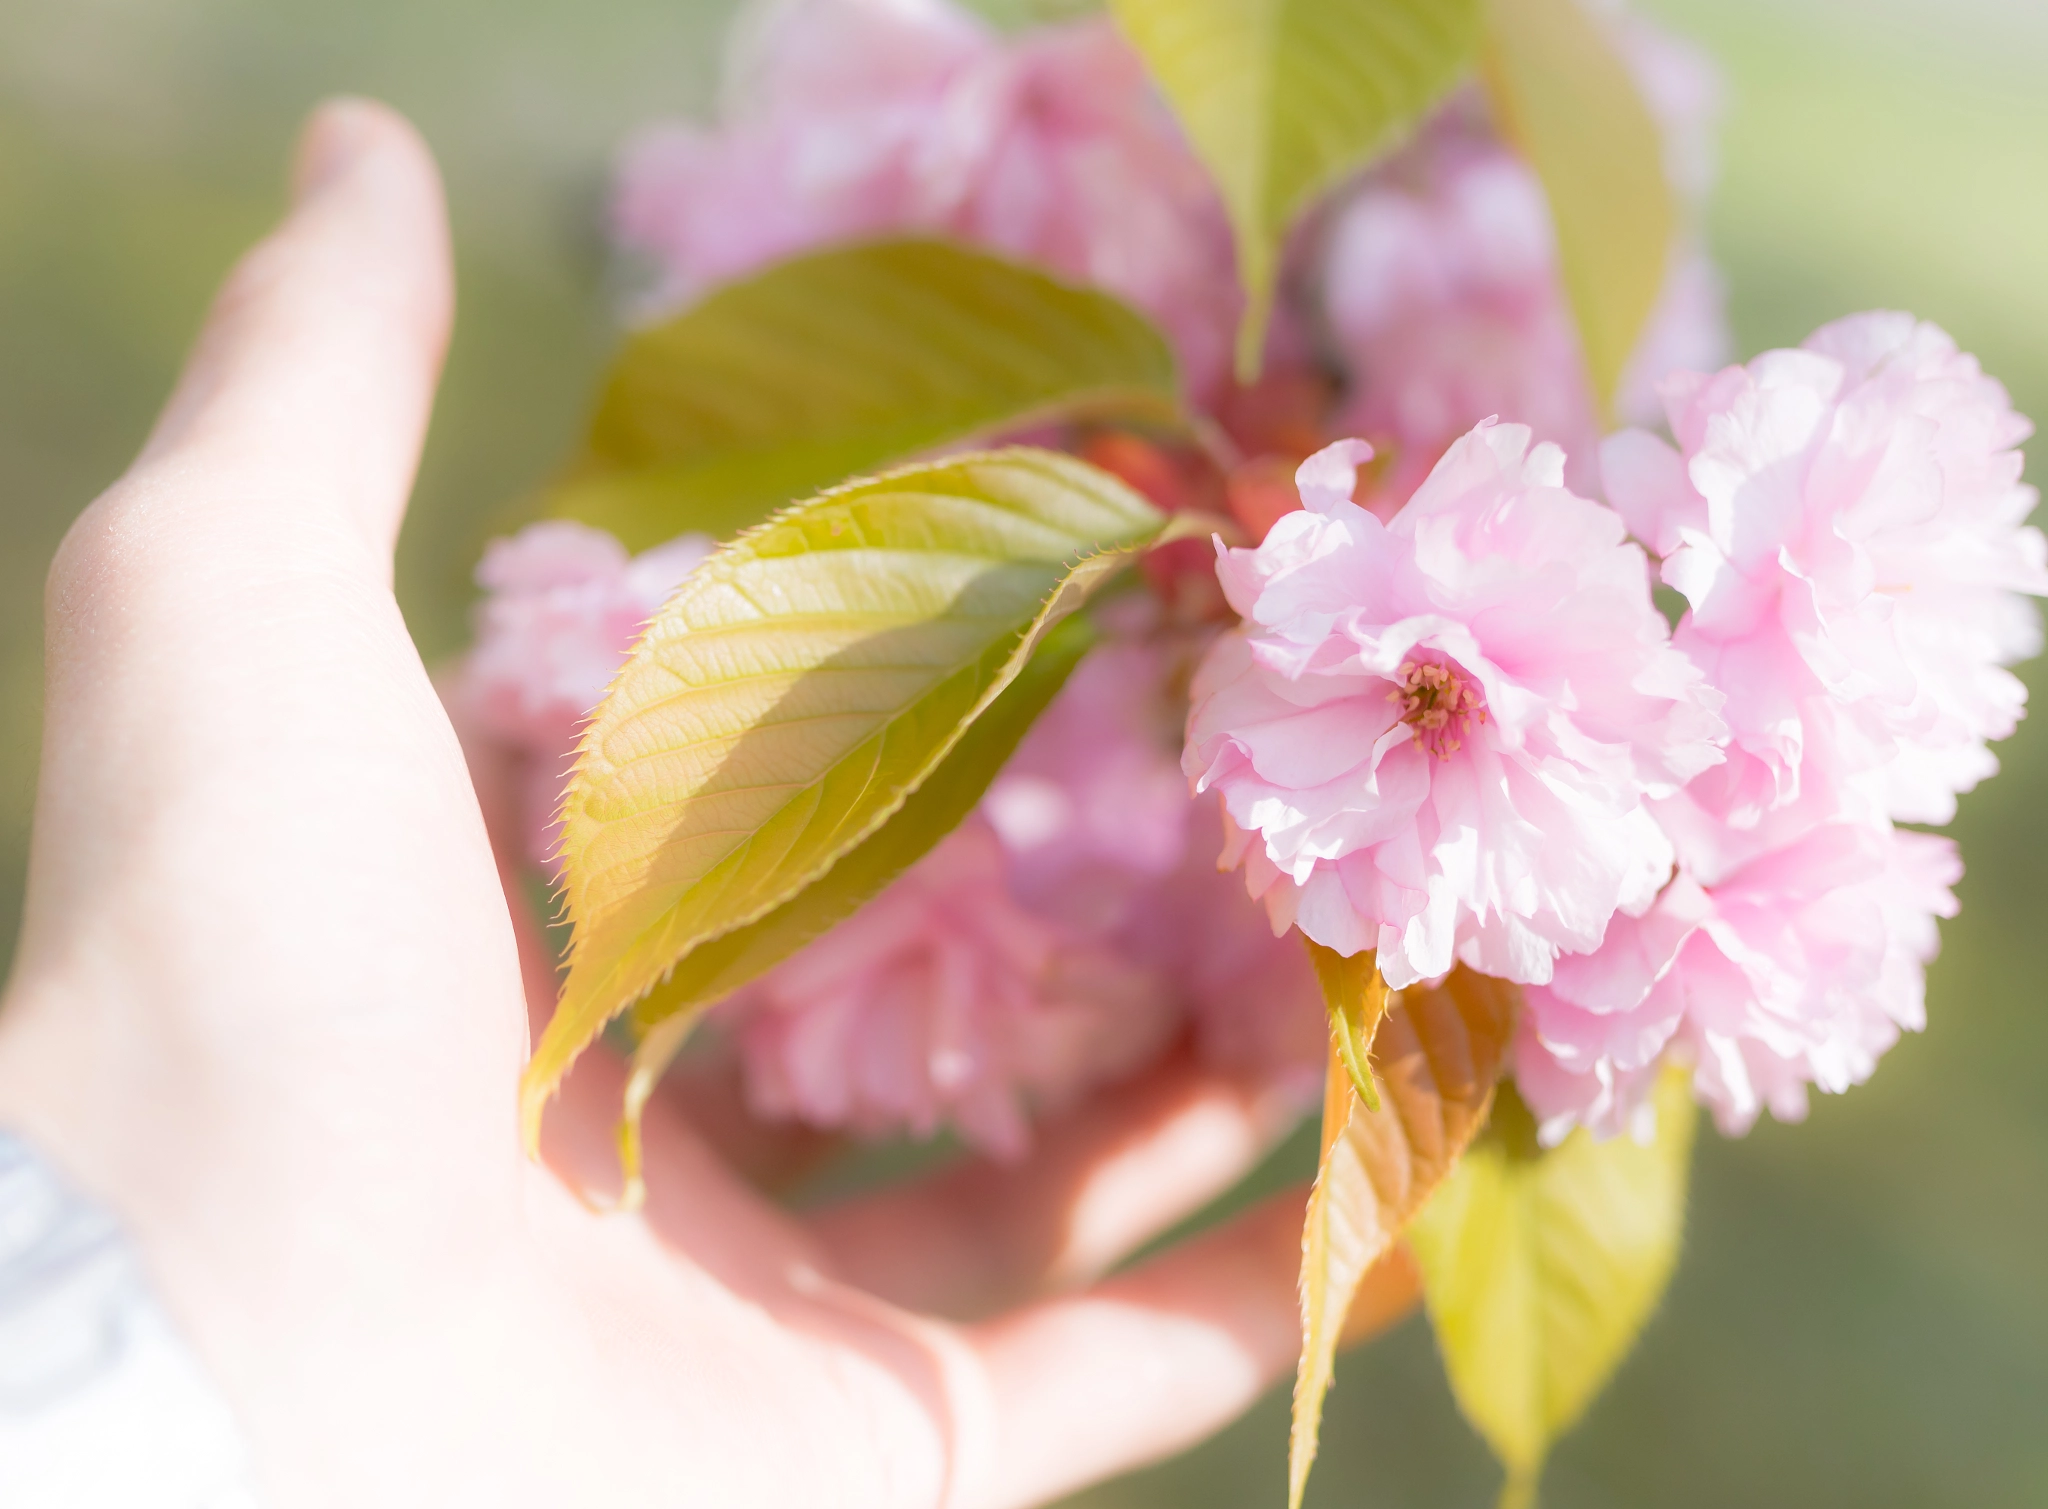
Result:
pixel 346 133
pixel 1148 1362
pixel 334 138
pixel 1145 1363
pixel 315 371
pixel 355 146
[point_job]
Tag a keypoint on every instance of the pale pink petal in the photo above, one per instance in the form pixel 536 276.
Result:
pixel 1851 536
pixel 1442 731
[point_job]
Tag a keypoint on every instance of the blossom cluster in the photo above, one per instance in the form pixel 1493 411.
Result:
pixel 1847 525
pixel 1466 734
pixel 1431 708
pixel 1442 731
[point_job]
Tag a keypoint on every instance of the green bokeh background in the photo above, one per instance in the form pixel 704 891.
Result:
pixel 1861 1317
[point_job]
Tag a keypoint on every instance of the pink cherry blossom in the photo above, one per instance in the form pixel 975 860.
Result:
pixel 1435 736
pixel 1799 968
pixel 1060 940
pixel 1444 293
pixel 564 604
pixel 1444 298
pixel 1249 995
pixel 1101 833
pixel 849 119
pixel 1093 807
pixel 1847 522
pixel 944 1003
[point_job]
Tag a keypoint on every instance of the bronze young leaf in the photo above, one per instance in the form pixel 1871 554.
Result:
pixel 1436 1058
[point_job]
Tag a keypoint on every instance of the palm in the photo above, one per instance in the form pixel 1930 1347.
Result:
pixel 272 1002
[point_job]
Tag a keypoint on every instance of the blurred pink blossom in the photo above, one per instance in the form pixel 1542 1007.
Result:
pixel 849 119
pixel 564 605
pixel 1092 807
pixel 1435 736
pixel 944 1003
pixel 1799 968
pixel 1059 940
pixel 1847 521
pixel 1444 295
pixel 1249 995
pixel 1681 84
pixel 1101 832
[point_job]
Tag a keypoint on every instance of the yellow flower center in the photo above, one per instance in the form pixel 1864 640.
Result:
pixel 1439 704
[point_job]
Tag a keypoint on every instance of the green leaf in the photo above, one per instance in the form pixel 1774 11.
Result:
pixel 1355 996
pixel 839 363
pixel 714 970
pixel 1282 98
pixel 717 968
pixel 1566 99
pixel 1436 1057
pixel 1539 1269
pixel 795 692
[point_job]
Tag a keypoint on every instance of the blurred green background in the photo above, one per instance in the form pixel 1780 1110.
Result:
pixel 1861 1317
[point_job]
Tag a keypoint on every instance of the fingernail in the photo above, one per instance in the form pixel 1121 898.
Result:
pixel 335 138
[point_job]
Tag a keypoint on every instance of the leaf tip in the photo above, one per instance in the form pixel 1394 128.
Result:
pixel 1301 1456
pixel 534 1094
pixel 633 1189
pixel 1356 997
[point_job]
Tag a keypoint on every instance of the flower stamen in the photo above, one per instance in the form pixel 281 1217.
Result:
pixel 1439 703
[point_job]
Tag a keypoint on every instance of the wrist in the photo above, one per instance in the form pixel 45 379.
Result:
pixel 88 1357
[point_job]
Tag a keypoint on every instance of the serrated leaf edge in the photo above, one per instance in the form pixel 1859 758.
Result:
pixel 543 1075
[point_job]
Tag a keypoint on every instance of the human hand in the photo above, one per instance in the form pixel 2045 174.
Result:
pixel 271 1003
